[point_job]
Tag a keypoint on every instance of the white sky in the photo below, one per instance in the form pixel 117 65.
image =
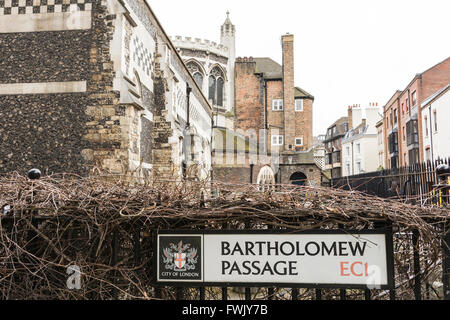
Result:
pixel 346 51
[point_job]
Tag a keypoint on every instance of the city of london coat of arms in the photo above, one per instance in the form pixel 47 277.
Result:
pixel 180 257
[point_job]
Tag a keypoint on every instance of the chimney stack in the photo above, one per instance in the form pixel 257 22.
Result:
pixel 288 89
pixel 350 118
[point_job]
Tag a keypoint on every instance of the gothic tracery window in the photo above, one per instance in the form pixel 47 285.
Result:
pixel 216 87
pixel 196 72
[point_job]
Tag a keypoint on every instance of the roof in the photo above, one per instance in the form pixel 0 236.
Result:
pixel 339 121
pixel 434 96
pixel 270 68
pixel 300 93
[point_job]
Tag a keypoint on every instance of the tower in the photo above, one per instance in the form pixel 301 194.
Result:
pixel 228 39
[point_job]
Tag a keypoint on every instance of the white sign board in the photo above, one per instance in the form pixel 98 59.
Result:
pixel 321 259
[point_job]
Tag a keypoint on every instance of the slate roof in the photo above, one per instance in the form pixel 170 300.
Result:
pixel 272 70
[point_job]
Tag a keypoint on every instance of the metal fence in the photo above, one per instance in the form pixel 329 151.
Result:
pixel 416 183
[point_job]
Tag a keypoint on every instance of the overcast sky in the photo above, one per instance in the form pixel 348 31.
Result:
pixel 346 51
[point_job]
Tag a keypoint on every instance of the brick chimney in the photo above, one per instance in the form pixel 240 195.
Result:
pixel 288 91
pixel 350 117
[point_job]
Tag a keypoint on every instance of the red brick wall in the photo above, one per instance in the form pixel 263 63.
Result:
pixel 248 106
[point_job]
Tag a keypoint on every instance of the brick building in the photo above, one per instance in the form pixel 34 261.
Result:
pixel 271 110
pixel 333 145
pixel 403 121
pixel 97 84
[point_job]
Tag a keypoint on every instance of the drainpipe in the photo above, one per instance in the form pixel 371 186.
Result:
pixel 431 135
pixel 251 173
pixel 353 159
pixel 187 129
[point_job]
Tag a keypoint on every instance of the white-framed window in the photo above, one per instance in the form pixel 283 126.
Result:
pixel 358 167
pixel 299 105
pixel 277 105
pixel 299 142
pixel 277 140
pixel 348 151
pixel 358 148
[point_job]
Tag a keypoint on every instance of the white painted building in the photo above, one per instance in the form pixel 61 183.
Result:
pixel 360 144
pixel 212 65
pixel 381 144
pixel 435 126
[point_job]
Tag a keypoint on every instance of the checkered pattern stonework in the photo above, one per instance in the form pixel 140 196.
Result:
pixel 141 56
pixel 43 6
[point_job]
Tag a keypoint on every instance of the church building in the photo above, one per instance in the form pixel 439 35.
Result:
pixel 262 121
pixel 97 85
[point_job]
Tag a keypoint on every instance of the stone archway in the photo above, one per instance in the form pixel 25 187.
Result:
pixel 299 179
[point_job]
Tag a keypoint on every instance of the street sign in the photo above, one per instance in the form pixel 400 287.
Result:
pixel 319 259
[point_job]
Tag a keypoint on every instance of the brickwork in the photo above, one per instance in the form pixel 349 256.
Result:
pixel 288 91
pixel 248 105
pixel 423 85
pixel 87 116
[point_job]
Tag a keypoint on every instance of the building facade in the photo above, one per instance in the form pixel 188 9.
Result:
pixel 381 146
pixel 212 65
pixel 360 143
pixel 97 84
pixel 333 146
pixel 436 131
pixel 403 116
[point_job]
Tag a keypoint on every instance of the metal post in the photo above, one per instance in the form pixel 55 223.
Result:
pixel 295 293
pixel 318 294
pixel 446 262
pixel 418 278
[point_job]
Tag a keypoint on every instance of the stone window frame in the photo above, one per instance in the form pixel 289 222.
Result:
pixel 215 75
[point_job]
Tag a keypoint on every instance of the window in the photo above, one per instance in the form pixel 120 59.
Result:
pixel 299 142
pixel 220 92
pixel 299 105
pixel 425 120
pixel 403 108
pixel 198 77
pixel 404 135
pixel 277 140
pixel 345 127
pixel 407 104
pixel 395 116
pixel 212 89
pixel 348 151
pixel 414 99
pixel 358 148
pixel 358 167
pixel 277 105
pixel 435 121
pixel 216 87
pixel 428 154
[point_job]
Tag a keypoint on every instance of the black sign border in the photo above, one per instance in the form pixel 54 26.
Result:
pixel 387 232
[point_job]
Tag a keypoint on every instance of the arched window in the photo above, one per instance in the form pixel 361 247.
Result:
pixel 212 89
pixel 216 86
pixel 220 92
pixel 266 178
pixel 198 77
pixel 196 71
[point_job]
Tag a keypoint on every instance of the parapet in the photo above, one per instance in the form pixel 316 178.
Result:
pixel 200 44
pixel 245 59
